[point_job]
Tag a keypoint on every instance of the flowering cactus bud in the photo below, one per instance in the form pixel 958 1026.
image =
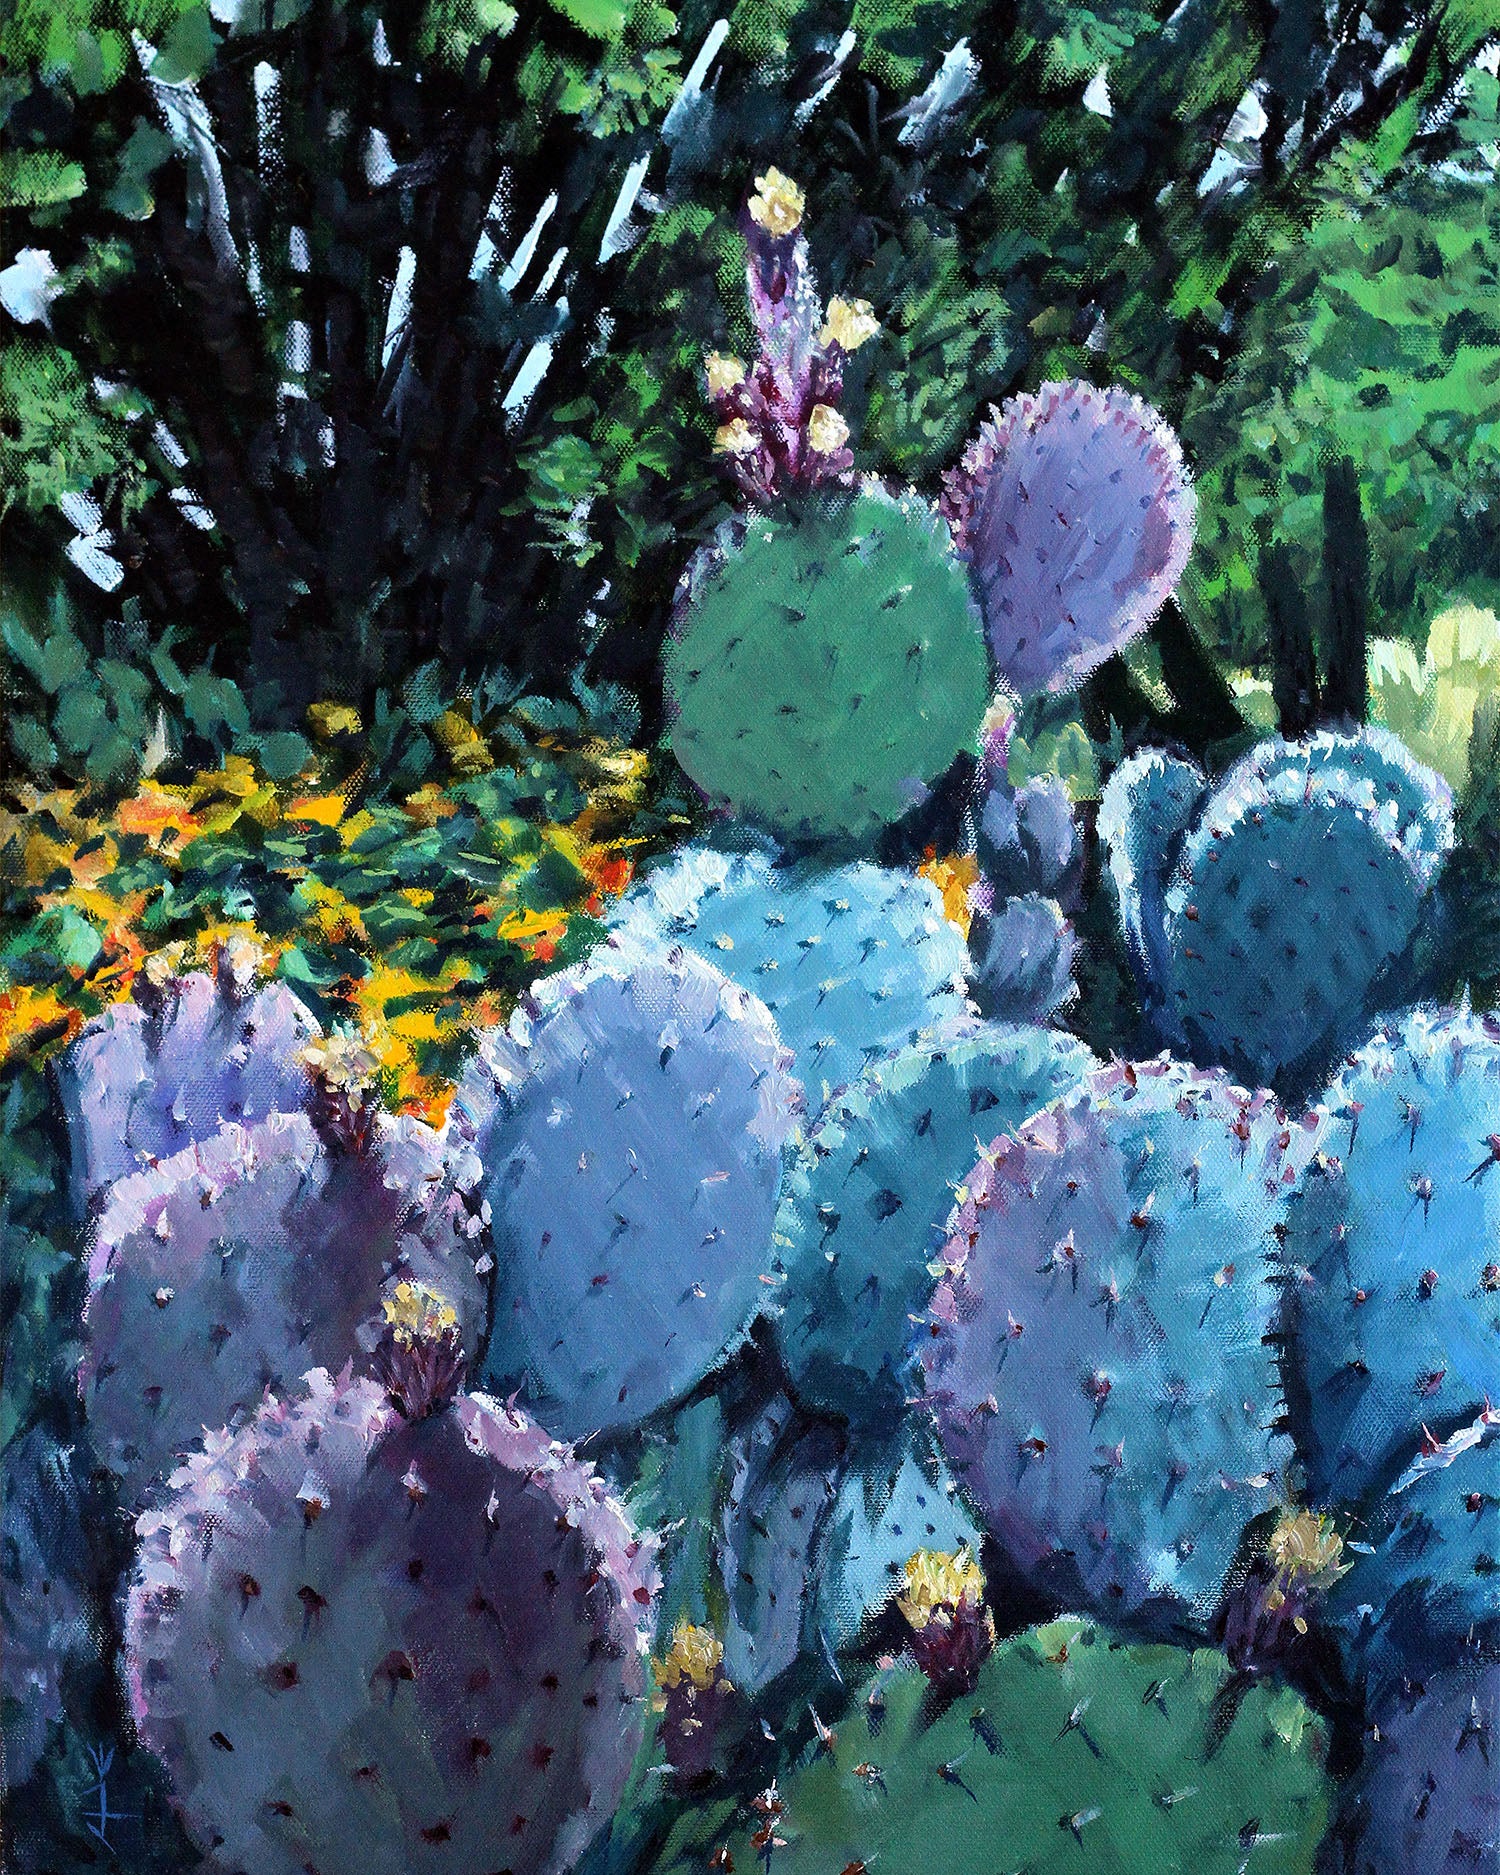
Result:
pixel 693 1696
pixel 952 1632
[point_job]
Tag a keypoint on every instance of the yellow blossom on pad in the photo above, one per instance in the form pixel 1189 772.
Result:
pixel 826 430
pixel 417 1313
pixel 345 1062
pixel 1305 1544
pixel 850 323
pixel 723 373
pixel 735 438
pixel 696 1655
pixel 936 1581
pixel 777 204
pixel 955 877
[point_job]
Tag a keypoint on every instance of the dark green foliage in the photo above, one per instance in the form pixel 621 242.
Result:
pixel 1346 563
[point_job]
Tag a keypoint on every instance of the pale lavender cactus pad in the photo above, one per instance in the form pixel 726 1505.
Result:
pixel 1096 1352
pixel 148 1077
pixel 428 1640
pixel 1074 512
pixel 237 1263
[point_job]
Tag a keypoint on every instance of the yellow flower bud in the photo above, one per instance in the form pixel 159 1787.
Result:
pixel 696 1654
pixel 416 1313
pixel 826 430
pixel 937 1580
pixel 736 438
pixel 777 203
pixel 723 373
pixel 849 324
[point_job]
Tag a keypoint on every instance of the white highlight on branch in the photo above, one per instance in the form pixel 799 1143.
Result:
pixel 616 234
pixel 677 118
pixel 400 307
pixel 949 86
pixel 840 54
pixel 1096 97
pixel 533 369
pixel 524 254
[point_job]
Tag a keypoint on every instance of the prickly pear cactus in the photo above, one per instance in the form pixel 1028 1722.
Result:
pixel 632 1172
pixel 869 1195
pixel 1425 1586
pixel 427 1639
pixel 1427 1795
pixel 1147 805
pixel 852 961
pixel 1072 1752
pixel 1022 953
pixel 1026 839
pixel 147 1078
pixel 1074 512
pixel 784 1474
pixel 46 1614
pixel 238 1262
pixel 1392 1277
pixel 827 665
pixel 1299 886
pixel 1096 1351
pixel 886 1510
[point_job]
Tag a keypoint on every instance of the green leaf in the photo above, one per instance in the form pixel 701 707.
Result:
pixel 601 19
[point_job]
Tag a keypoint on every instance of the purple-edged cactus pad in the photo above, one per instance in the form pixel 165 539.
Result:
pixel 1096 1351
pixel 147 1078
pixel 1074 511
pixel 360 1642
pixel 238 1262
pixel 632 1173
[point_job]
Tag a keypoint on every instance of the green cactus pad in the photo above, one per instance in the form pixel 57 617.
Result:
pixel 827 667
pixel 1072 1753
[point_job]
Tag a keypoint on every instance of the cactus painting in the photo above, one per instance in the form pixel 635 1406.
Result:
pixel 749 939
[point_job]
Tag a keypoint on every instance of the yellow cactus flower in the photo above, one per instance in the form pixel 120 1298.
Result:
pixel 826 430
pixel 414 1312
pixel 696 1655
pixel 849 324
pixel 936 1582
pixel 777 204
pixel 735 438
pixel 345 1063
pixel 1306 1546
pixel 723 373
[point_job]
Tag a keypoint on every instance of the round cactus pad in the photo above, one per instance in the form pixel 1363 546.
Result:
pixel 828 668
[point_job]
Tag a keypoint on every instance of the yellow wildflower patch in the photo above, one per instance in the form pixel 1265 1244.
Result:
pixel 30 1019
pixel 955 877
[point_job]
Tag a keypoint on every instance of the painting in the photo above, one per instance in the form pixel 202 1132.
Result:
pixel 750 937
